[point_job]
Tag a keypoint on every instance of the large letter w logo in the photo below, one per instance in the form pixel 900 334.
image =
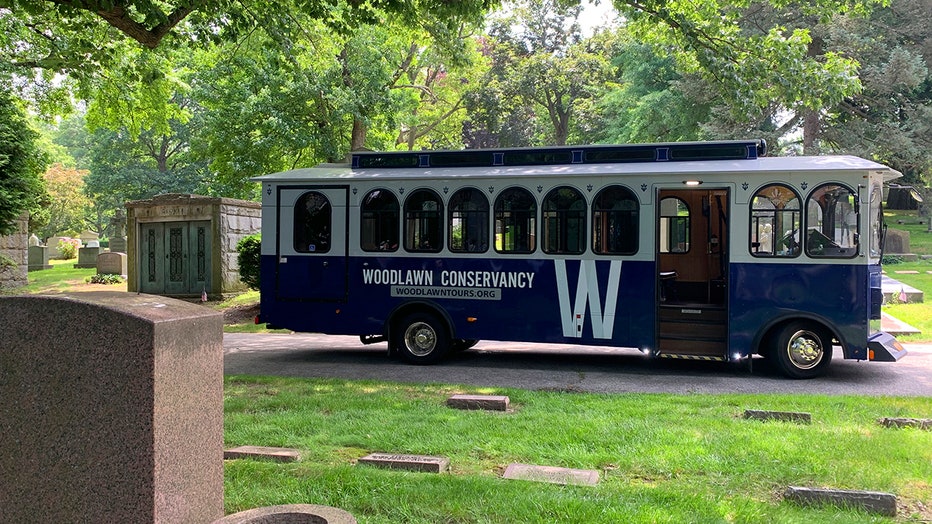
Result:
pixel 587 291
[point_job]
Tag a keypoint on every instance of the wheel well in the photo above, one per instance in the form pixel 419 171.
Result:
pixel 416 307
pixel 771 332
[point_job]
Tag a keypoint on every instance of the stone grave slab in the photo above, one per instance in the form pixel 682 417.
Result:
pixel 277 454
pixel 872 501
pixel 39 258
pixel 551 474
pixel 486 402
pixel 785 416
pixel 424 463
pixel 290 514
pixel 87 257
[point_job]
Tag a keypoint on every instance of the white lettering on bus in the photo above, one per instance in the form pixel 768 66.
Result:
pixel 587 290
pixel 494 279
pixel 417 277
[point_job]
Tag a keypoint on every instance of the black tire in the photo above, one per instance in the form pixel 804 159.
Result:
pixel 421 338
pixel 463 344
pixel 802 350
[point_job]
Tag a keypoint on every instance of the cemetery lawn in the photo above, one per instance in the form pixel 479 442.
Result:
pixel 918 315
pixel 64 278
pixel 660 457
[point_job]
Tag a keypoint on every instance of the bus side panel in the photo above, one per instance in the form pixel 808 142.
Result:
pixel 602 303
pixel 763 294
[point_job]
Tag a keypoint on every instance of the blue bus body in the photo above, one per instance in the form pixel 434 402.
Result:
pixel 713 259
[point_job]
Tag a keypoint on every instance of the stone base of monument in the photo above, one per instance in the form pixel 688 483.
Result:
pixel 290 514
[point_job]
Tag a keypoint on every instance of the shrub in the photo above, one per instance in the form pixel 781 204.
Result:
pixel 105 279
pixel 889 260
pixel 249 249
pixel 68 248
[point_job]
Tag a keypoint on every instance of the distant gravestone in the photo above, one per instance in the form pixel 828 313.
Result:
pixel 34 240
pixel 111 263
pixel 118 244
pixel 39 258
pixel 896 241
pixel 87 257
pixel 110 425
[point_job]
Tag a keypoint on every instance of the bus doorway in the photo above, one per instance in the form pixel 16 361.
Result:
pixel 312 247
pixel 692 260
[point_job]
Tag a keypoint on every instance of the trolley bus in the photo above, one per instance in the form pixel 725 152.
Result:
pixel 695 250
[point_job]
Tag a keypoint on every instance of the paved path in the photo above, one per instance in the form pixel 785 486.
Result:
pixel 562 367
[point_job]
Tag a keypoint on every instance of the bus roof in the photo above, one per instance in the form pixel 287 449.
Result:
pixel 790 164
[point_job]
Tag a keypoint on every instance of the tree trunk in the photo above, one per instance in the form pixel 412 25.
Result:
pixel 358 139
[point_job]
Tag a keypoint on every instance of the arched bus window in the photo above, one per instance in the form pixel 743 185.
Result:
pixel 423 222
pixel 674 226
pixel 564 216
pixel 776 218
pixel 615 222
pixel 312 223
pixel 831 222
pixel 469 221
pixel 380 217
pixel 515 221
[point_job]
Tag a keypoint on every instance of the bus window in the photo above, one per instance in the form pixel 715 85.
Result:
pixel 423 222
pixel 831 222
pixel 564 215
pixel 515 221
pixel 312 223
pixel 615 222
pixel 775 222
pixel 469 221
pixel 379 221
pixel 674 226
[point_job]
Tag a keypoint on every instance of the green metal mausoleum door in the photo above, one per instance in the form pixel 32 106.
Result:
pixel 175 258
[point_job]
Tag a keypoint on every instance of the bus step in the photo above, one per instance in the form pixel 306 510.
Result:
pixel 692 346
pixel 711 358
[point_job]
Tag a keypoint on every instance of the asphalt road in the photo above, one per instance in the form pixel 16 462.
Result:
pixel 569 368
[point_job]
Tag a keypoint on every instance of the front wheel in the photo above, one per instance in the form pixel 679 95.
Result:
pixel 421 338
pixel 802 350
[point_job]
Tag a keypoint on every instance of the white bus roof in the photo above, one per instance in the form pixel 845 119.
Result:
pixel 783 165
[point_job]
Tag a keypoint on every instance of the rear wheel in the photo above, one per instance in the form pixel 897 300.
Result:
pixel 802 350
pixel 421 338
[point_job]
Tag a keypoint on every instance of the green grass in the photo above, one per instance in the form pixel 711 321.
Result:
pixel 918 315
pixel 661 458
pixel 63 278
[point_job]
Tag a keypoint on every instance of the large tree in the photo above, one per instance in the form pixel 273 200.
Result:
pixel 21 165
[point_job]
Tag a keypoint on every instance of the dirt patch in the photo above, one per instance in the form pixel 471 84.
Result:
pixel 240 314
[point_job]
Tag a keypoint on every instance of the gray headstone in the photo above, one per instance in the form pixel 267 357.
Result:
pixel 290 514
pixel 111 264
pixel 39 258
pixel 784 416
pixel 87 257
pixel 110 425
pixel 118 244
pixel 896 241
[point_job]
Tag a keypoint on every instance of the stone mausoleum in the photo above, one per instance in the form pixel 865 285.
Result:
pixel 185 245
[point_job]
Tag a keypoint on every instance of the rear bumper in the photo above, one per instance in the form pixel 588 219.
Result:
pixel 883 347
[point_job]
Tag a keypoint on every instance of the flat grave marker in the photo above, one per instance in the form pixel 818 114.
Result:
pixel 423 463
pixel 486 402
pixel 277 454
pixel 552 474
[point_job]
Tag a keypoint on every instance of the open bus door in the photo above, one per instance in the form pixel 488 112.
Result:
pixel 312 248
pixel 692 260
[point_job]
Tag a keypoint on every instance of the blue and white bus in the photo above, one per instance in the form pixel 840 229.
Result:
pixel 698 250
